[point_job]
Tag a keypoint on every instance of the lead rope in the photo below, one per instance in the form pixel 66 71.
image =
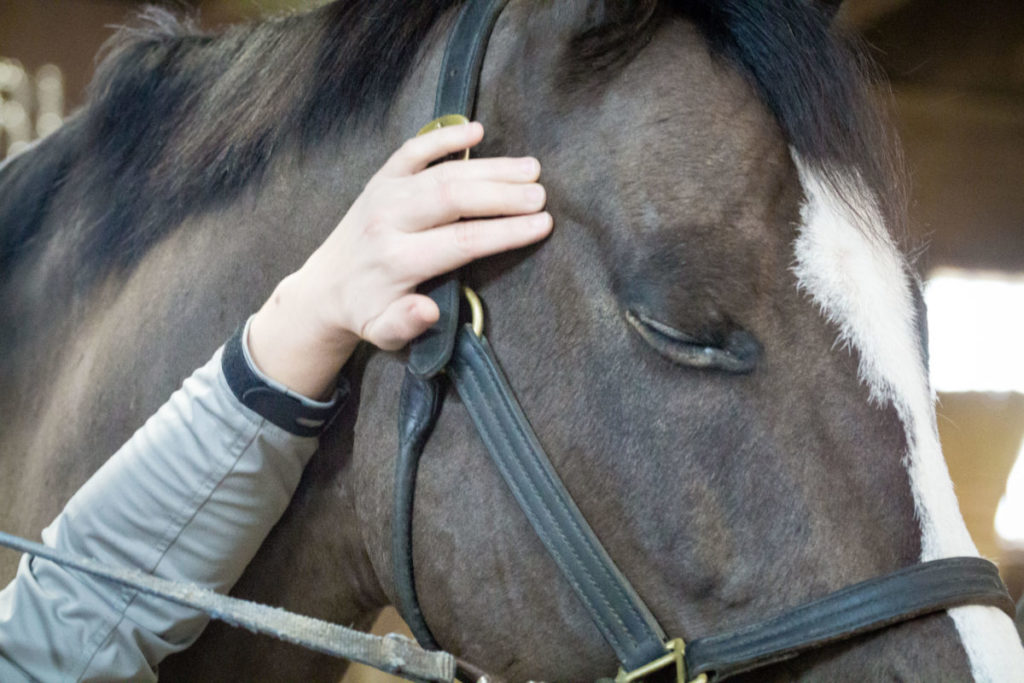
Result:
pixel 392 653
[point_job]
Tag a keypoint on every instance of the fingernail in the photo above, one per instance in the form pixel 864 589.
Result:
pixel 530 166
pixel 535 193
pixel 540 220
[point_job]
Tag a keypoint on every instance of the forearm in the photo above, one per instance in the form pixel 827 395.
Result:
pixel 190 496
pixel 290 343
pixel 195 491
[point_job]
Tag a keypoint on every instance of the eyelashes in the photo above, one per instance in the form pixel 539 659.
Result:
pixel 735 351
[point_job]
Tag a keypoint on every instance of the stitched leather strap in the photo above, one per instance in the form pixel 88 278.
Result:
pixel 617 611
pixel 456 94
pixel 861 608
pixel 419 405
pixel 464 57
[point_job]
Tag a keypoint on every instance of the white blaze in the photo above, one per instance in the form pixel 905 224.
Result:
pixel 847 262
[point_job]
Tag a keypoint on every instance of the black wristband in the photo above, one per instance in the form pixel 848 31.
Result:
pixel 284 410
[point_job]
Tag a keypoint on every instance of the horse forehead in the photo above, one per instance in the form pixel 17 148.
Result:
pixel 691 134
pixel 677 80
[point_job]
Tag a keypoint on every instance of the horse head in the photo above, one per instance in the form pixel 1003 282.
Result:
pixel 720 347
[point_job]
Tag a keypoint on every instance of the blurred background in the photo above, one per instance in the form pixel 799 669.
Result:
pixel 957 73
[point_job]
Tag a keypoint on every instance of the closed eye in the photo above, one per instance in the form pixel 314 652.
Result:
pixel 737 351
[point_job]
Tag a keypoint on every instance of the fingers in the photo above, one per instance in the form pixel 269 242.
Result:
pixel 413 197
pixel 417 153
pixel 452 246
pixel 447 202
pixel 402 321
pixel 505 169
pixel 388 242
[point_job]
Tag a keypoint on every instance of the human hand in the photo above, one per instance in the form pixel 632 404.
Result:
pixel 403 229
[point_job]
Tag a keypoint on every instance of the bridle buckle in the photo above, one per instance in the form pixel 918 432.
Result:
pixel 444 122
pixel 676 649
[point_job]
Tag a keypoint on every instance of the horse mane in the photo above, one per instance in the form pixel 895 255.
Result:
pixel 180 121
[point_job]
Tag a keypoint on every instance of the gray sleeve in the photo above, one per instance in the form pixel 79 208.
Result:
pixel 190 496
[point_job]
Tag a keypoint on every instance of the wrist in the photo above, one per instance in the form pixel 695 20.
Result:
pixel 295 413
pixel 292 342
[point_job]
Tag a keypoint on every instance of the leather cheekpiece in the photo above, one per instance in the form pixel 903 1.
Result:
pixel 418 407
pixel 617 611
pixel 456 94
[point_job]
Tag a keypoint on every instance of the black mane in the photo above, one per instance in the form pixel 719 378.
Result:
pixel 179 121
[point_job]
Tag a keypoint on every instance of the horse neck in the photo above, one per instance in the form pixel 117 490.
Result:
pixel 125 341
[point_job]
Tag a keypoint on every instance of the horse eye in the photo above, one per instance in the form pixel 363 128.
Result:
pixel 737 351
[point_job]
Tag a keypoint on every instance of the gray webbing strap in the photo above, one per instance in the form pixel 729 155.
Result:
pixel 392 653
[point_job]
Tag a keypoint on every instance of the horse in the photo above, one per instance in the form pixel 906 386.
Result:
pixel 721 345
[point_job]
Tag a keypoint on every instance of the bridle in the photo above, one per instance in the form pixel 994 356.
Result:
pixel 460 353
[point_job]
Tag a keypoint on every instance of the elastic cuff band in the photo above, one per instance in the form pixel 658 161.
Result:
pixel 288 410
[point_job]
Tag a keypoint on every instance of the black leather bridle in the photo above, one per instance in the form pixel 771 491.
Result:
pixel 462 353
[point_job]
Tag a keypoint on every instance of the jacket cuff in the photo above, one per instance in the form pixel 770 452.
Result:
pixel 291 411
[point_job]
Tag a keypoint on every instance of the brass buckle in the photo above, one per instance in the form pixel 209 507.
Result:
pixel 476 309
pixel 676 649
pixel 444 122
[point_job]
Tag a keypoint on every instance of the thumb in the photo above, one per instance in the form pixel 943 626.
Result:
pixel 402 321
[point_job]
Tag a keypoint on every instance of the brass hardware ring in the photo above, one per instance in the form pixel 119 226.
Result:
pixel 444 122
pixel 476 308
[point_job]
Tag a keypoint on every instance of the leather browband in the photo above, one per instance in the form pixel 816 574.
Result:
pixel 456 94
